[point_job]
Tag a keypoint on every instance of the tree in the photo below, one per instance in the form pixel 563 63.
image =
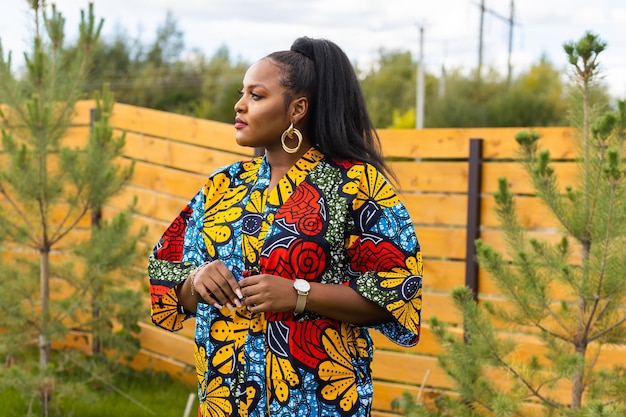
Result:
pixel 152 75
pixel 113 62
pixel 158 79
pixel 569 295
pixel 389 86
pixel 534 98
pixel 221 83
pixel 48 189
pixel 169 43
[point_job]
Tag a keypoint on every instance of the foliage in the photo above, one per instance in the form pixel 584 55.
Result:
pixel 222 81
pixel 58 274
pixel 534 98
pixel 390 86
pixel 157 75
pixel 403 121
pixel 568 296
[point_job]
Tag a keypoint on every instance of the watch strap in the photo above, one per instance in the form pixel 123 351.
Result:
pixel 300 302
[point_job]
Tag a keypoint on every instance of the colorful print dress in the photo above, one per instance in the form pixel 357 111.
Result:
pixel 335 222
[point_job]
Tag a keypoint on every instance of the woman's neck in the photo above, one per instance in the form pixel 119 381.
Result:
pixel 280 162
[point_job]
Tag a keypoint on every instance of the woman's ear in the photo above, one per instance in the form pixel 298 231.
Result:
pixel 300 107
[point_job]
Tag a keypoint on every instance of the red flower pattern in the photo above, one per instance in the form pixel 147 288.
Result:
pixel 278 263
pixel 302 259
pixel 368 255
pixel 310 224
pixel 346 163
pixel 309 259
pixel 306 341
pixel 303 201
pixel 172 241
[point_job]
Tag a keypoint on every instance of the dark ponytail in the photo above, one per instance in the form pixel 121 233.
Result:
pixel 339 121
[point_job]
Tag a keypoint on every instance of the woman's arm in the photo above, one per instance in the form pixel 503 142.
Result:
pixel 336 301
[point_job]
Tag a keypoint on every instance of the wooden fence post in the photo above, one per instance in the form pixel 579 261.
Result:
pixel 473 214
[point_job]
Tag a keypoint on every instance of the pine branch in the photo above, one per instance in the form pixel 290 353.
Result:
pixel 20 214
pixel 537 166
pixel 515 236
pixel 9 97
pixel 59 233
pixel 78 298
pixel 591 200
pixel 609 329
pixel 478 328
pixel 607 238
pixel 89 32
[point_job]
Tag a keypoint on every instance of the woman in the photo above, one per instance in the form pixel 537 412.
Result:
pixel 286 260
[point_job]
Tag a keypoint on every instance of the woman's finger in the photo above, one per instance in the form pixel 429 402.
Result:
pixel 233 291
pixel 198 285
pixel 218 280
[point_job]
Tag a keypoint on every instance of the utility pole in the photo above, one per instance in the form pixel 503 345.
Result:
pixel 480 37
pixel 511 22
pixel 419 105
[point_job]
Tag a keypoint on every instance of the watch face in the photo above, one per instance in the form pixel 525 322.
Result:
pixel 301 285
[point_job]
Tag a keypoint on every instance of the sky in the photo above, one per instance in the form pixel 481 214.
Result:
pixel 448 30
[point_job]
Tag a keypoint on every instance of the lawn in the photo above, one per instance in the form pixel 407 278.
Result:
pixel 135 394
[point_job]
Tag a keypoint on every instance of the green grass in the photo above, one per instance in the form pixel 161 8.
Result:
pixel 132 394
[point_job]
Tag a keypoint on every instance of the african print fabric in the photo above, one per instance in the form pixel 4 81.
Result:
pixel 334 222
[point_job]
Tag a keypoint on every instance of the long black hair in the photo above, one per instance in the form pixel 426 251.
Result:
pixel 340 125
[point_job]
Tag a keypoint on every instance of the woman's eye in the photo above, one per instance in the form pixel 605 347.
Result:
pixel 254 96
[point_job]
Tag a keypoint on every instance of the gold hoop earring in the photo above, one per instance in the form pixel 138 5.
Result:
pixel 289 133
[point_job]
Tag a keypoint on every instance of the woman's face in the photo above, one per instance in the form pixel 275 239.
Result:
pixel 261 114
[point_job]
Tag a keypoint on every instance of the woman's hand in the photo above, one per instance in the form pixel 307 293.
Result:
pixel 216 285
pixel 265 292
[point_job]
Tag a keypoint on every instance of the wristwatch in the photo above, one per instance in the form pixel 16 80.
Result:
pixel 302 287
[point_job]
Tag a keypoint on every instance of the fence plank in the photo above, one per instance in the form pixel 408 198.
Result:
pixel 429 176
pixel 443 275
pixel 166 343
pixel 150 203
pixel 175 126
pixel 440 242
pixel 517 179
pixel 183 156
pixel 165 180
pixel 452 143
pixel 451 176
pixel 385 367
pixel 441 306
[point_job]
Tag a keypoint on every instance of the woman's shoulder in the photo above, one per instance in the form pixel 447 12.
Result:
pixel 346 164
pixel 235 169
pixel 357 170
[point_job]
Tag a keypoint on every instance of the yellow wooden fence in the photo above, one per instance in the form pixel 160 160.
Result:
pixel 174 154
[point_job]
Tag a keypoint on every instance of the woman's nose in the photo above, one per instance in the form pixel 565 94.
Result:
pixel 238 106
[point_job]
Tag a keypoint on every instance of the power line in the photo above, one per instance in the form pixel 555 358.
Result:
pixel 511 22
